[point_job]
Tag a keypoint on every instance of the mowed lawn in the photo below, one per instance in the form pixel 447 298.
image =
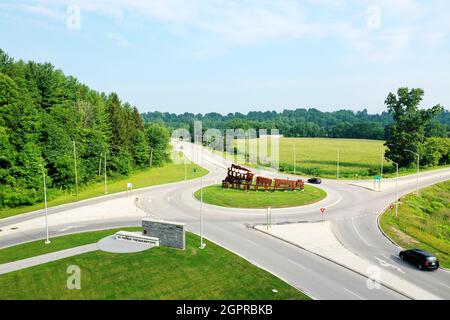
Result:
pixel 358 158
pixel 234 198
pixel 423 221
pixel 169 173
pixel 158 273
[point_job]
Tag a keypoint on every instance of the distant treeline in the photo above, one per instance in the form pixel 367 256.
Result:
pixel 50 119
pixel 301 122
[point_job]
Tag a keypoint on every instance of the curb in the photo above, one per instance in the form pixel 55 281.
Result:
pixel 338 263
pixel 393 242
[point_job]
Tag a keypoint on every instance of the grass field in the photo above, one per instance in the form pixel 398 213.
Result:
pixel 260 199
pixel 158 273
pixel 423 221
pixel 358 158
pixel 36 248
pixel 169 173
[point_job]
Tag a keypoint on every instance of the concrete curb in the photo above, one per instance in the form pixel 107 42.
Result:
pixel 338 263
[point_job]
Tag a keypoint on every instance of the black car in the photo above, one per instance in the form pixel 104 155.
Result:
pixel 421 258
pixel 314 180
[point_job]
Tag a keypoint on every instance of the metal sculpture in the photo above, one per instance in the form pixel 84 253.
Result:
pixel 238 176
pixel 264 182
pixel 286 184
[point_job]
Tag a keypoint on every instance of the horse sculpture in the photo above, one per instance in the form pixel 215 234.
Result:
pixel 263 182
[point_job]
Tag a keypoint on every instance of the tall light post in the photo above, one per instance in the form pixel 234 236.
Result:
pixel 202 244
pixel 106 183
pixel 295 160
pixel 337 164
pixel 418 166
pixel 184 157
pixel 47 240
pixel 396 188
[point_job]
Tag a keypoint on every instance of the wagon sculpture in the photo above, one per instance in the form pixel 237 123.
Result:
pixel 284 184
pixel 238 176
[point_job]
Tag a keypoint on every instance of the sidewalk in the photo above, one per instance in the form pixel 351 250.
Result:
pixel 319 239
pixel 34 261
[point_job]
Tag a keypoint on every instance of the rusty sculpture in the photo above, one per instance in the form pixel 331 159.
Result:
pixel 286 184
pixel 264 182
pixel 238 176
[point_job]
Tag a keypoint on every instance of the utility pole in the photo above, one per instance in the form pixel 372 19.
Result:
pixel 151 158
pixel 47 240
pixel 106 182
pixel 100 166
pixel 382 162
pixel 75 165
pixel 418 166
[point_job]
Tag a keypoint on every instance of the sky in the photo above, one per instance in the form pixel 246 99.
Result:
pixel 237 56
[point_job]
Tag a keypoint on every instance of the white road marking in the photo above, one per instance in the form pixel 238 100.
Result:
pixel 443 284
pixel 356 295
pixel 297 264
pixel 359 234
pixel 388 265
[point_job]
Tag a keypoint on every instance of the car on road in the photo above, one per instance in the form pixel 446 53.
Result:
pixel 314 180
pixel 421 258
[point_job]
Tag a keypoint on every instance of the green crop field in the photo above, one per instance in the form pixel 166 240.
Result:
pixel 358 158
pixel 423 221
pixel 158 273
pixel 169 173
pixel 260 199
pixel 318 157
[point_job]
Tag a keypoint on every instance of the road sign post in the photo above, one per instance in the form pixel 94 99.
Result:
pixel 322 211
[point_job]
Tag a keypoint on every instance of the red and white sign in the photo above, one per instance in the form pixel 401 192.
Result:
pixel 322 210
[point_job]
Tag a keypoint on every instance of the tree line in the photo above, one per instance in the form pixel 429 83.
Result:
pixel 302 122
pixel 50 119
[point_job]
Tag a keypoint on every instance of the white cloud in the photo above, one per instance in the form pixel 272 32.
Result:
pixel 406 24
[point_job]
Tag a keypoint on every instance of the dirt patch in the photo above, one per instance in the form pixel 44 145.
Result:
pixel 403 236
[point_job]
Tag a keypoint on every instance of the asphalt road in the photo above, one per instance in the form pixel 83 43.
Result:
pixel 352 210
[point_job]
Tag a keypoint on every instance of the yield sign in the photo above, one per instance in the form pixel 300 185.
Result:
pixel 322 210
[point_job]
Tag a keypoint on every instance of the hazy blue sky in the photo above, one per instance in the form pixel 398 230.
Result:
pixel 226 56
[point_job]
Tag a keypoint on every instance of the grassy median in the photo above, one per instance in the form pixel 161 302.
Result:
pixel 234 198
pixel 158 273
pixel 423 221
pixel 169 173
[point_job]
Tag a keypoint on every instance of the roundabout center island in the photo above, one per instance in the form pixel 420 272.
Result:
pixel 251 199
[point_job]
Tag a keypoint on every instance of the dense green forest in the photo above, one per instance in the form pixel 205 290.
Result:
pixel 302 122
pixel 50 119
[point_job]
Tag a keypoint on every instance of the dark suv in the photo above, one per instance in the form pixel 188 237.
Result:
pixel 421 258
pixel 314 180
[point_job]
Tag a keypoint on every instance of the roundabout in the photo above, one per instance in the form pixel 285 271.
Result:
pixel 251 199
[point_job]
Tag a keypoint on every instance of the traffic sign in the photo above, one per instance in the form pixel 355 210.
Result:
pixel 377 177
pixel 322 210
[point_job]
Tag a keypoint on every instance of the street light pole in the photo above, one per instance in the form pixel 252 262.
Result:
pixel 184 156
pixel 106 183
pixel 418 166
pixel 295 161
pixel 337 166
pixel 396 188
pixel 47 240
pixel 202 244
